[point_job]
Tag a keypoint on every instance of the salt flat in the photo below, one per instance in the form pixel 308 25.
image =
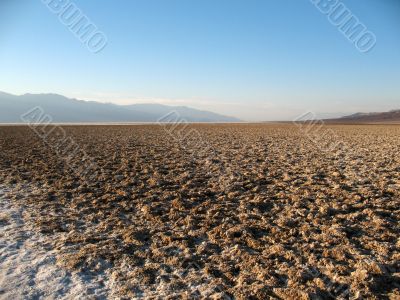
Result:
pixel 229 211
pixel 28 268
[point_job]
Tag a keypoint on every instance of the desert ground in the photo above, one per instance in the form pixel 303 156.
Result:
pixel 200 211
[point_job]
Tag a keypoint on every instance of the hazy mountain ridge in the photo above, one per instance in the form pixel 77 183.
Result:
pixel 67 110
pixel 374 117
pixel 390 116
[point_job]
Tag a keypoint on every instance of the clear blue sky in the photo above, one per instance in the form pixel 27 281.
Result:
pixel 255 59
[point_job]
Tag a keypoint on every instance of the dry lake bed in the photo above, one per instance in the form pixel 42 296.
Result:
pixel 223 211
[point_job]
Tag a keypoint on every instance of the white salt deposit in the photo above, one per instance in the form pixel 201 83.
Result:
pixel 29 271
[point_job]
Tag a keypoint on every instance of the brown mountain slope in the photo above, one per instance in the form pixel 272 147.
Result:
pixel 392 116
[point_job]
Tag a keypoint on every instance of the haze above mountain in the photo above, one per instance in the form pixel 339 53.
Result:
pixel 66 110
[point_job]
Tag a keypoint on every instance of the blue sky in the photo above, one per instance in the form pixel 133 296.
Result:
pixel 256 59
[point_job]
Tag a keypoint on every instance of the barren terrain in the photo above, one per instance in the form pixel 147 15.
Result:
pixel 199 212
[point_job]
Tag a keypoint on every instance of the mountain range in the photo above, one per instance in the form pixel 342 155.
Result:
pixel 392 116
pixel 67 110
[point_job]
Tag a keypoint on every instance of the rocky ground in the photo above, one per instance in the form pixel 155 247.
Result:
pixel 200 211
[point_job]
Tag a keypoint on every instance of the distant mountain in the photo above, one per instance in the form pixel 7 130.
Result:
pixel 392 116
pixel 66 110
pixel 190 114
